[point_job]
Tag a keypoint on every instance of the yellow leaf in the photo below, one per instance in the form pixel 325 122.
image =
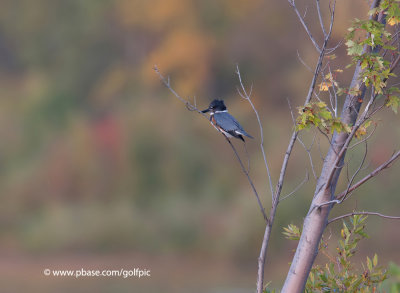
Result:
pixel 339 70
pixel 393 21
pixel 324 86
pixel 347 128
pixel 361 132
pixel 328 76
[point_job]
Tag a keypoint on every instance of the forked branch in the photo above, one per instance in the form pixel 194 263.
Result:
pixel 382 167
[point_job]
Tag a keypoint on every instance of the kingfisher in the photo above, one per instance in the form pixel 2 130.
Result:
pixel 225 122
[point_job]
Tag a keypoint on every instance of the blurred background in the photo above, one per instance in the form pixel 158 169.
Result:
pixel 101 167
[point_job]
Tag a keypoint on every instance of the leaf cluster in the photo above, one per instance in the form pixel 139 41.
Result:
pixel 392 9
pixel 292 232
pixel 366 38
pixel 340 274
pixel 317 114
pixel 392 100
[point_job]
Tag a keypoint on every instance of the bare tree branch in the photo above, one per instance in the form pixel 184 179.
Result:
pixel 357 171
pixel 334 48
pixel 363 213
pixel 349 138
pixel 321 156
pixel 369 176
pixel 296 188
pixel 335 108
pixel 395 63
pixel 365 138
pixel 293 5
pixel 320 18
pixel 166 82
pixel 248 177
pixel 247 97
pixel 303 62
pixel 342 196
pixel 308 150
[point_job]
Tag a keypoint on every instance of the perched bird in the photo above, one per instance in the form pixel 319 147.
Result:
pixel 224 121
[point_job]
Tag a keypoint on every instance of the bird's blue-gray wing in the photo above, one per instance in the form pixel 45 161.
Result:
pixel 229 123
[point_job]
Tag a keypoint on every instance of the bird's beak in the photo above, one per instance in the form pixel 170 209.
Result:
pixel 206 110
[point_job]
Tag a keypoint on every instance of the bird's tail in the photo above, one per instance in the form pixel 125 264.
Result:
pixel 246 134
pixel 242 132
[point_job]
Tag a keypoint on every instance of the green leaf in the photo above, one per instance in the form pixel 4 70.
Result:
pixel 369 263
pixel 292 232
pixel 393 89
pixel 386 47
pixel 363 234
pixel 346 230
pixel 354 48
pixel 375 260
pixel 323 277
pixel 325 114
pixel 364 63
pixel 393 102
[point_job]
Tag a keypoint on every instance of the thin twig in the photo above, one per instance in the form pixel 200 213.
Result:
pixel 333 49
pixel 321 156
pixel 303 62
pixel 297 187
pixel 363 213
pixel 293 5
pixel 369 176
pixel 320 205
pixel 320 18
pixel 326 82
pixel 339 198
pixel 247 96
pixel 325 135
pixel 305 12
pixel 248 177
pixel 364 139
pixel 357 171
pixel 166 82
pixel 374 111
pixel 395 63
pixel 335 108
pixel 308 150
pixel 349 138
